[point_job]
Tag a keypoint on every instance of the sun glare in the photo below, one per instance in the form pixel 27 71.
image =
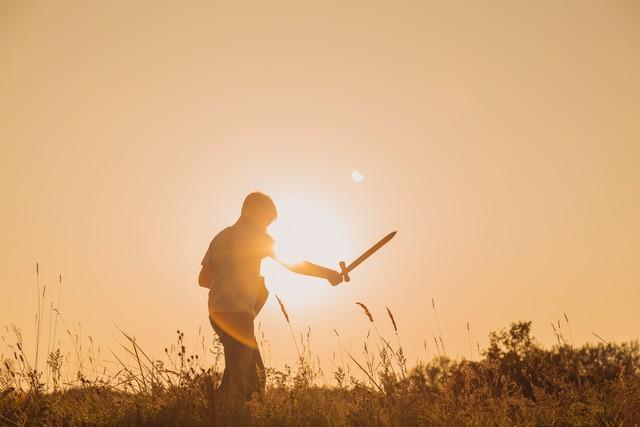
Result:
pixel 305 230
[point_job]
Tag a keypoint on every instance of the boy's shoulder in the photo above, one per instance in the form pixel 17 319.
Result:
pixel 240 232
pixel 240 238
pixel 248 235
pixel 222 235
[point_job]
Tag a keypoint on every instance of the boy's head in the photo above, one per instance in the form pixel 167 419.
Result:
pixel 259 209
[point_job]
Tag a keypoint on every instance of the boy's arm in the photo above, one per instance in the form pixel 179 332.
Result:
pixel 305 267
pixel 310 269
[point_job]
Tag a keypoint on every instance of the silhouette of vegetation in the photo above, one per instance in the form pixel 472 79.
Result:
pixel 517 382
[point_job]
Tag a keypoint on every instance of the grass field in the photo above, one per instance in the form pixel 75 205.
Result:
pixel 517 382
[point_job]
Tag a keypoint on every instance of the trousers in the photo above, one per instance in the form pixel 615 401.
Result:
pixel 244 369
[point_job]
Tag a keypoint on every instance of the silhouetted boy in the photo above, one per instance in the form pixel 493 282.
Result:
pixel 231 270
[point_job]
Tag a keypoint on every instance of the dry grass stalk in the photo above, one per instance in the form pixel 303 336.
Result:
pixel 600 338
pixel 435 340
pixel 469 340
pixel 569 327
pixel 293 337
pixel 38 314
pixel 435 313
pixel 373 381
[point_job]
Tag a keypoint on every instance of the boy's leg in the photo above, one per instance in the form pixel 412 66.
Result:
pixel 240 377
pixel 252 370
pixel 227 345
pixel 258 377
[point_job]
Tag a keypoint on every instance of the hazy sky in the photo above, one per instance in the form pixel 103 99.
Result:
pixel 500 138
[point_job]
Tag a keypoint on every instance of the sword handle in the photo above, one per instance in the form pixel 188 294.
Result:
pixel 343 271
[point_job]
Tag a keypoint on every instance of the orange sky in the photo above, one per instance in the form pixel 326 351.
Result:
pixel 500 139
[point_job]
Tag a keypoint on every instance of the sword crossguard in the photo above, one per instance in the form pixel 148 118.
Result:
pixel 343 271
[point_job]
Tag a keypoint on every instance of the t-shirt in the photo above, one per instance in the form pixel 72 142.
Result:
pixel 234 258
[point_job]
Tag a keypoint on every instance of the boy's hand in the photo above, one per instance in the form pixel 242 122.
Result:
pixel 334 278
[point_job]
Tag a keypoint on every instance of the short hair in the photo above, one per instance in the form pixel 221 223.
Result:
pixel 259 205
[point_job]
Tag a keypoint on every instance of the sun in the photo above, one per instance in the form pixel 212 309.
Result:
pixel 309 230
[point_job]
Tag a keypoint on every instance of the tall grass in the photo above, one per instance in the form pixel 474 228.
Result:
pixel 514 382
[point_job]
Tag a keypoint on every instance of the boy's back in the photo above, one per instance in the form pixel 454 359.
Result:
pixel 233 260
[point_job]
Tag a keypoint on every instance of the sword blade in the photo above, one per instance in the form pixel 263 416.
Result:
pixel 370 251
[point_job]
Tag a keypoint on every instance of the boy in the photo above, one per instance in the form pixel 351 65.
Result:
pixel 231 270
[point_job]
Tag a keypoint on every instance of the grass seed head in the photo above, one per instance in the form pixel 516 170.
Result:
pixel 283 309
pixel 393 320
pixel 366 311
